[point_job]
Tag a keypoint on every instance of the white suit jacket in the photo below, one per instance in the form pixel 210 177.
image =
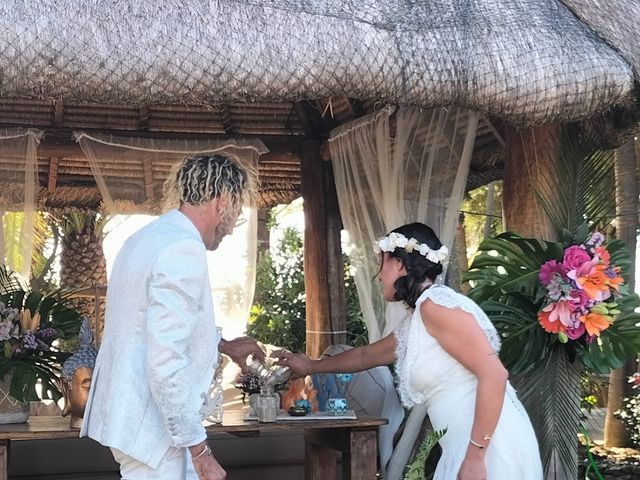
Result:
pixel 160 346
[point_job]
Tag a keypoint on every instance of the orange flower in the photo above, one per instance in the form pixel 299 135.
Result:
pixel 616 281
pixel 548 325
pixel 603 253
pixel 596 281
pixel 595 323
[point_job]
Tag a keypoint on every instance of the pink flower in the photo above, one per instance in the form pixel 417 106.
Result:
pixel 575 257
pixel 559 310
pixel 579 300
pixel 577 332
pixel 548 270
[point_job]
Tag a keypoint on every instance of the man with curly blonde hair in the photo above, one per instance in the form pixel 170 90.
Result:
pixel 160 345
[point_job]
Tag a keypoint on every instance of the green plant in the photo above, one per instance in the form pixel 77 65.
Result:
pixel 278 315
pixel 577 195
pixel 30 323
pixel 629 414
pixel 416 469
pixel 506 285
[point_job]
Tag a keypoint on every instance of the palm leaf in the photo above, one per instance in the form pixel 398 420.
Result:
pixel 555 390
pixel 416 469
pixel 588 199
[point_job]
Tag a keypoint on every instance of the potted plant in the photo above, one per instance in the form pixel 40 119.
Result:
pixel 31 325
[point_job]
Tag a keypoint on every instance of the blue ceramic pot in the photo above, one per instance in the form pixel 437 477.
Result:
pixel 337 406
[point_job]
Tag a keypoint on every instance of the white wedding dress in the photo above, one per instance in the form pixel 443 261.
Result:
pixel 428 374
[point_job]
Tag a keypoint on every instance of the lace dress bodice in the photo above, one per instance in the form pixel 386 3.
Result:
pixel 423 367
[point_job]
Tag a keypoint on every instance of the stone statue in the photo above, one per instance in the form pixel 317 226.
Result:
pixel 77 371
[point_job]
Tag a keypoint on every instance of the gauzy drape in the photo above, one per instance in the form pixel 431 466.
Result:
pixel 393 167
pixel 19 181
pixel 390 170
pixel 232 265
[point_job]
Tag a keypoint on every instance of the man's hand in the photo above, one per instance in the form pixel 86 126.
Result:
pixel 240 348
pixel 205 465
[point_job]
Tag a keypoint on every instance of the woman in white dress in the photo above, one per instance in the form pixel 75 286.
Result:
pixel 445 357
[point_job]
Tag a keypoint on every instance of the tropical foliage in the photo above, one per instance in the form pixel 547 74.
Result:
pixel 416 470
pixel 506 274
pixel 577 197
pixel 30 323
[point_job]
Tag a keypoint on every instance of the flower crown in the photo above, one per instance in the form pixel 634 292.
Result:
pixel 397 240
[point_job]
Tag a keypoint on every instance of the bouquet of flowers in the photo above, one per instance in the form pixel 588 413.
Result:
pixel 570 295
pixel 581 291
pixel 30 324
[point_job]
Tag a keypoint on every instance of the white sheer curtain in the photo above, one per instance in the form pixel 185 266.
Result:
pixel 393 167
pixel 19 181
pixel 130 172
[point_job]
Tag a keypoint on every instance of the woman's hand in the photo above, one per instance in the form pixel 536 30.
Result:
pixel 300 364
pixel 473 467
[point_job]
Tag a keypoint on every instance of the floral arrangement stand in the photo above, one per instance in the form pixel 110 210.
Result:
pixel 560 307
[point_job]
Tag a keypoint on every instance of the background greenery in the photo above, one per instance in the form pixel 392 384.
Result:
pixel 278 313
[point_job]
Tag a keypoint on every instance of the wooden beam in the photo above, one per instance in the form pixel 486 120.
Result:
pixel 58 113
pixel 65 147
pixel 227 123
pixel 323 268
pixel 143 114
pixel 148 178
pixel 53 174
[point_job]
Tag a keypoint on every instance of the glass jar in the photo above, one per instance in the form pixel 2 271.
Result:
pixel 267 407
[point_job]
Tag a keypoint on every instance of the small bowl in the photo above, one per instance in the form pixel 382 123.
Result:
pixel 297 412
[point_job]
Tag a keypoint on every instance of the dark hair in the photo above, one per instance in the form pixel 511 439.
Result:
pixel 419 269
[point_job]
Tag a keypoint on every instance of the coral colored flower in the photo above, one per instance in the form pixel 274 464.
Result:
pixel 603 253
pixel 594 283
pixel 575 257
pixel 548 271
pixel 548 325
pixel 594 323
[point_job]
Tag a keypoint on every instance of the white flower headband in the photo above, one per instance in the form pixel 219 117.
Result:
pixel 397 240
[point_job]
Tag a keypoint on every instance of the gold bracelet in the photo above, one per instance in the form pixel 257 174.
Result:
pixel 205 451
pixel 476 444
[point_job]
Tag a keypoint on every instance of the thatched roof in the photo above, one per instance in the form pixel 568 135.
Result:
pixel 525 61
pixel 287 71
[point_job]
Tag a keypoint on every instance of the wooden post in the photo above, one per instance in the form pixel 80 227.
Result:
pixel 323 268
pixel 529 154
pixel 263 230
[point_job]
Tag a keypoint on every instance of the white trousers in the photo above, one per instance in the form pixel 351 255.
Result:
pixel 175 465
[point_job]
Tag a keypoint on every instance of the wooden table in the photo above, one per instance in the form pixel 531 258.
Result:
pixel 356 439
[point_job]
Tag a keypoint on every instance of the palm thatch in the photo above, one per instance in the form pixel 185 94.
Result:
pixel 527 61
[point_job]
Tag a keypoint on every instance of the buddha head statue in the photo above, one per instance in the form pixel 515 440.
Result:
pixel 77 371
